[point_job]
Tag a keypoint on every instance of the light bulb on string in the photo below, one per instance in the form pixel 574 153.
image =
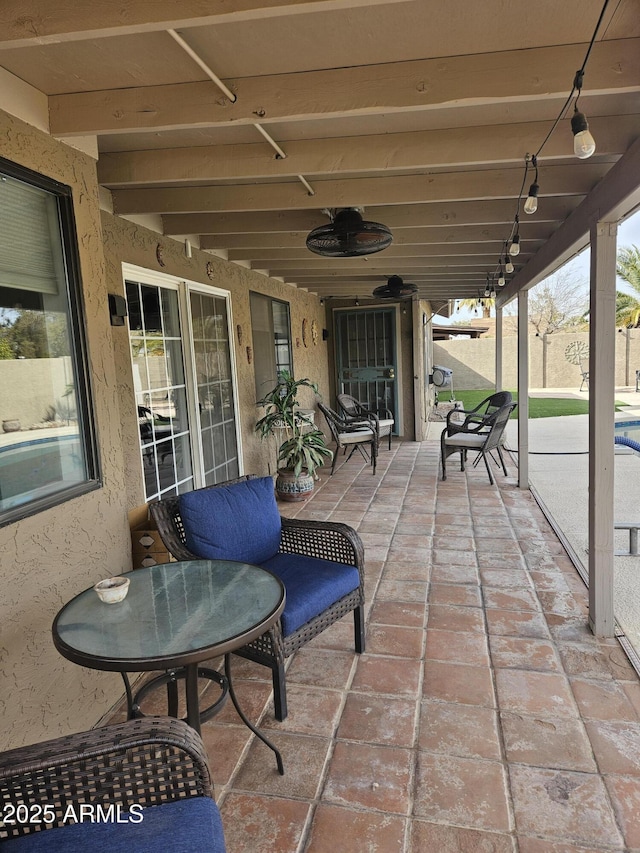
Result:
pixel 508 266
pixel 584 144
pixel 501 278
pixel 514 246
pixel 531 203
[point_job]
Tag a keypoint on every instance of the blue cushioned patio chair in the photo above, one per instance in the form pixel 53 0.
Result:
pixel 321 563
pixel 137 787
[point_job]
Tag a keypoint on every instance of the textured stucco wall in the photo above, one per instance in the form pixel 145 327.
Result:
pixel 473 361
pixel 48 558
pixel 126 242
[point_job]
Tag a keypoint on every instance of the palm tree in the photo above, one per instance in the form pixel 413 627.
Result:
pixel 628 304
pixel 474 304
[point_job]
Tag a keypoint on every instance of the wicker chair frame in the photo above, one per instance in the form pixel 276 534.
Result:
pixel 355 410
pixel 326 540
pixel 144 762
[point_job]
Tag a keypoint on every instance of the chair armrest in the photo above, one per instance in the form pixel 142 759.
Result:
pixel 326 540
pixel 142 762
pixel 472 424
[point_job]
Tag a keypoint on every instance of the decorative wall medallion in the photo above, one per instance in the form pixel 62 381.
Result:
pixel 305 332
pixel 239 333
pixel 314 333
pixel 210 269
pixel 160 255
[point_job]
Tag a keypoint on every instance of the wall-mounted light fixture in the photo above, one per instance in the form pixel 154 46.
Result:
pixel 117 309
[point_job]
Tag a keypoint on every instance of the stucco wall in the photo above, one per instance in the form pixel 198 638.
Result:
pixel 473 361
pixel 126 242
pixel 48 558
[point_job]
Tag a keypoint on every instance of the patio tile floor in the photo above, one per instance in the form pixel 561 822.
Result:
pixel 484 716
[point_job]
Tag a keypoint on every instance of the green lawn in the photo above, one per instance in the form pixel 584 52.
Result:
pixel 539 407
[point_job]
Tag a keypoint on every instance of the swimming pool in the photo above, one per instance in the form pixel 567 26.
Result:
pixel 629 430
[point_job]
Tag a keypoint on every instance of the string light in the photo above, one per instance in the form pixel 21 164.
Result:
pixel 584 146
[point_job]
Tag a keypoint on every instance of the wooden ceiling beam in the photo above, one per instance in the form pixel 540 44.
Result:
pixel 452 250
pixel 497 145
pixel 34 22
pixel 442 237
pixel 436 216
pixel 532 74
pixel 574 179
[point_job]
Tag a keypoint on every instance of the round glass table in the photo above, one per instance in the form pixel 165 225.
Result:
pixel 175 616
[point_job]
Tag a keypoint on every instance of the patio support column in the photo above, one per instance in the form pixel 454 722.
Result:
pixel 523 389
pixel 498 349
pixel 602 345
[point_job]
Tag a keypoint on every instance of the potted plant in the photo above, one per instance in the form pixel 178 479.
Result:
pixel 304 448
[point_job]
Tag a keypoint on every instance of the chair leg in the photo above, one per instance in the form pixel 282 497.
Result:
pixel 333 464
pixel 486 465
pixel 358 622
pixel 504 467
pixel 279 691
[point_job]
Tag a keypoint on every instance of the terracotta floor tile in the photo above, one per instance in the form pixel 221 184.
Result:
pixel 303 757
pixel 224 746
pixel 462 791
pixel 397 590
pixel 536 693
pixel 454 574
pixel 505 578
pixel 394 676
pixel 463 730
pixel 517 623
pixel 504 562
pixel 524 653
pixel 447 542
pixel 427 837
pixel 538 845
pixel 585 661
pixel 511 599
pixel 602 700
pixel 253 823
pixel 616 746
pixel 415 570
pixel 395 641
pixel 465 595
pixel 370 718
pixel 370 777
pixel 252 698
pixel 453 618
pixel 403 613
pixel 457 647
pixel 452 682
pixel 561 805
pixel 357 831
pixel 326 668
pixel 625 795
pixel 312 711
pixel 546 742
pixel 457 557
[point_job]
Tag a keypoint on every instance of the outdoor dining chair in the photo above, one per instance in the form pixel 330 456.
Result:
pixel 320 563
pixel 347 432
pixel 355 410
pixel 482 434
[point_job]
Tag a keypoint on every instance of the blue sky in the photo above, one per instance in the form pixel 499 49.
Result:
pixel 628 234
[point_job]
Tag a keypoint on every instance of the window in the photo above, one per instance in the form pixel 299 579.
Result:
pixel 48 451
pixel 271 341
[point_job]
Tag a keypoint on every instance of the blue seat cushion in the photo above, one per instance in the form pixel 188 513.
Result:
pixel 190 825
pixel 312 585
pixel 236 522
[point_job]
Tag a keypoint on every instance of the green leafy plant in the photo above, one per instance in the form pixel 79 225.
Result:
pixel 303 448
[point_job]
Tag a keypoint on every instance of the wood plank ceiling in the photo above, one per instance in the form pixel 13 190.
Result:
pixel 418 112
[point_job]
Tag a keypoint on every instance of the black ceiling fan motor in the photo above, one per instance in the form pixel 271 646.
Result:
pixel 395 288
pixel 348 236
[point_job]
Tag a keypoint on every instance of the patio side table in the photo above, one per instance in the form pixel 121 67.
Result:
pixel 175 616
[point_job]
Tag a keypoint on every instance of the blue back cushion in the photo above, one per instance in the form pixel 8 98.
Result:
pixel 312 585
pixel 237 522
pixel 184 826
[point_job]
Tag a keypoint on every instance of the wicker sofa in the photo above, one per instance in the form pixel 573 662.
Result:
pixel 321 564
pixel 142 786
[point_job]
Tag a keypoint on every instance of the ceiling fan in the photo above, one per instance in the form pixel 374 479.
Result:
pixel 348 235
pixel 395 288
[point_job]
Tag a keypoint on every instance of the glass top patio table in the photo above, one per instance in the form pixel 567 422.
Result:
pixel 175 614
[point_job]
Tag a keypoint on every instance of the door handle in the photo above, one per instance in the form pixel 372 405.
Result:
pixel 391 374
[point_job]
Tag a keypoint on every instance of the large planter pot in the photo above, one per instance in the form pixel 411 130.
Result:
pixel 292 488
